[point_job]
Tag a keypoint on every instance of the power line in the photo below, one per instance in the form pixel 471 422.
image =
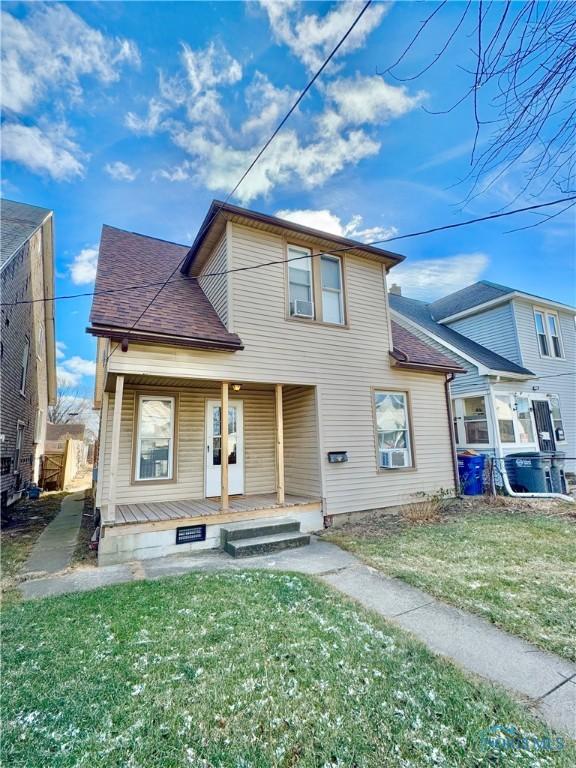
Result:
pixel 255 160
pixel 432 230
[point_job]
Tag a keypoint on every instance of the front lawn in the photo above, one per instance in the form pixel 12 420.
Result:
pixel 514 569
pixel 238 670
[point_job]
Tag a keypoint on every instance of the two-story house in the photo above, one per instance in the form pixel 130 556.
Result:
pixel 28 355
pixel 332 408
pixel 518 393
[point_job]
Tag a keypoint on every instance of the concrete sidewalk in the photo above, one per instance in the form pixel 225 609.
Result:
pixel 55 546
pixel 546 680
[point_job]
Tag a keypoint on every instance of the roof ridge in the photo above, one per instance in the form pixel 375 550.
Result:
pixel 148 237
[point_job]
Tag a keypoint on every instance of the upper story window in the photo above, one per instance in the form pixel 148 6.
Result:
pixel 24 367
pixel 315 286
pixel 155 438
pixel 548 333
pixel 300 282
pixel 393 430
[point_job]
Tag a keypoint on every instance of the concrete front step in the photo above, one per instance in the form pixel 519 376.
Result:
pixel 263 545
pixel 249 529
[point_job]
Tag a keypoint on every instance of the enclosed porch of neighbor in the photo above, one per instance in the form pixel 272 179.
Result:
pixel 169 460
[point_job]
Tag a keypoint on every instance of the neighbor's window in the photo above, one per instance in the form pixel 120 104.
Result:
pixel 475 421
pixel 393 429
pixel 24 368
pixel 331 278
pixel 556 416
pixel 155 439
pixel 525 428
pixel 18 448
pixel 300 282
pixel 505 416
pixel 548 332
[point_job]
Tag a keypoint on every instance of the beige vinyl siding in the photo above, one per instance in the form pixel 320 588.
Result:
pixel 259 445
pixel 301 452
pixel 342 363
pixel 216 288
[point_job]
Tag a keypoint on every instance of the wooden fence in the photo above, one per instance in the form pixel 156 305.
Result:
pixel 61 462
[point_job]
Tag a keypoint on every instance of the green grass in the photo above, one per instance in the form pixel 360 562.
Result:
pixel 238 670
pixel 516 570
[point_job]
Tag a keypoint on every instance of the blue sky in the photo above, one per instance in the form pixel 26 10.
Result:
pixel 138 114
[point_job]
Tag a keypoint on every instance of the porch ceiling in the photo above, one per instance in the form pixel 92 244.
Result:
pixel 175 382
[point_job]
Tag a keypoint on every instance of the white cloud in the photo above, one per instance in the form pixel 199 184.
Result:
pixel 121 171
pixel 209 67
pixel 60 347
pixel 311 38
pixel 151 123
pixel 67 379
pixel 326 221
pixel 49 152
pixel 50 49
pixel 80 366
pixel 83 268
pixel 266 104
pixel 430 279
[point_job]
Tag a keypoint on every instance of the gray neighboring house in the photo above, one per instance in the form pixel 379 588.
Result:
pixel 28 370
pixel 519 352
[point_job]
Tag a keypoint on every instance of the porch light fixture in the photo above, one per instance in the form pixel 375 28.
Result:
pixel 236 387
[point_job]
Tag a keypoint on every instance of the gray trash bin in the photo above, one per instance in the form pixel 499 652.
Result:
pixel 530 472
pixel 557 471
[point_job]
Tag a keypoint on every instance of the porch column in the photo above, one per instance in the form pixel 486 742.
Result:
pixel 224 446
pixel 279 445
pixel 114 451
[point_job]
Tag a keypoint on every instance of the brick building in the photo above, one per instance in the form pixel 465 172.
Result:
pixel 27 351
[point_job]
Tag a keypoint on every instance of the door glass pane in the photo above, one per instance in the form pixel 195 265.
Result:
pixel 216 421
pixel 216 452
pixel 525 430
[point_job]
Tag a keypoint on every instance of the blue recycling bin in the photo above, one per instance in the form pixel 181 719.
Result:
pixel 471 473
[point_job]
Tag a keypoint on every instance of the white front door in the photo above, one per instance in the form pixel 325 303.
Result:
pixel 235 448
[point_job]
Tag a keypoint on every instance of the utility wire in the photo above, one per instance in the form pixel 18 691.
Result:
pixel 331 252
pixel 255 160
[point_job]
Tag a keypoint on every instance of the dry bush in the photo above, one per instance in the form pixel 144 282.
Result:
pixel 426 511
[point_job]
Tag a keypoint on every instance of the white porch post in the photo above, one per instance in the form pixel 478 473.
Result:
pixel 224 446
pixel 279 445
pixel 114 451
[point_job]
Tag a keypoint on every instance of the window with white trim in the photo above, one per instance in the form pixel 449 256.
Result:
pixel 524 416
pixel 393 430
pixel 548 333
pixel 18 447
pixel 557 417
pixel 155 438
pixel 475 421
pixel 505 416
pixel 301 293
pixel 331 279
pixel 24 367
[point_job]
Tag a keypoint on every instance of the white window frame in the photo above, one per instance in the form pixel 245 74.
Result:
pixel 460 415
pixel 561 419
pixel 301 255
pixel 24 367
pixel 546 314
pixel 170 475
pixel 20 427
pixel 408 451
pixel 534 441
pixel 338 291
pixel 512 405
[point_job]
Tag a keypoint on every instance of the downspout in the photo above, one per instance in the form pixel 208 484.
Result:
pixel 449 378
pixel 502 465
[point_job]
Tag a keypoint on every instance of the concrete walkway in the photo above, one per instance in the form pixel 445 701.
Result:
pixel 545 680
pixel 55 546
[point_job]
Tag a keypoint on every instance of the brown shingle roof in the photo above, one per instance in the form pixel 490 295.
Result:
pixel 59 431
pixel 410 352
pixel 181 310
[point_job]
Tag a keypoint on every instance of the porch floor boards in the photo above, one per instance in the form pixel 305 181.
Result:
pixel 177 510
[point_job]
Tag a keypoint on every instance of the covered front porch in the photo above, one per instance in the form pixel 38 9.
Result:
pixel 169 460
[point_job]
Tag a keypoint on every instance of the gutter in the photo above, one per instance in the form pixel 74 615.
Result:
pixel 142 337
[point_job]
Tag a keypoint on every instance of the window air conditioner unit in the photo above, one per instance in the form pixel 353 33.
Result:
pixel 394 459
pixel 302 308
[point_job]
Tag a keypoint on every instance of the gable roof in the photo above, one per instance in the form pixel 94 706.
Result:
pixel 219 212
pixel 420 313
pixel 18 222
pixel 410 352
pixel 181 313
pixel 477 295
